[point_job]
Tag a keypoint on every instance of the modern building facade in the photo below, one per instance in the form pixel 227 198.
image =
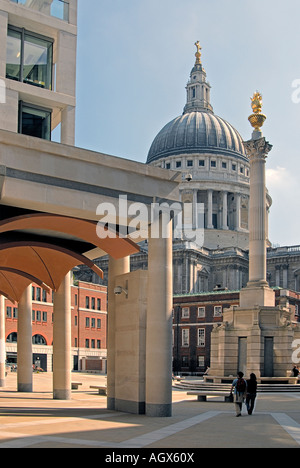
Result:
pixel 38 67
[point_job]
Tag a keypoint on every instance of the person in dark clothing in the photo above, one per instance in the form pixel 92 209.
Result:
pixel 251 393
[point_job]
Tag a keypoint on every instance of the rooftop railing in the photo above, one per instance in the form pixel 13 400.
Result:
pixel 55 8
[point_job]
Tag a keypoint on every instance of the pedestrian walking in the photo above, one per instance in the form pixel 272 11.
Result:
pixel 240 390
pixel 251 393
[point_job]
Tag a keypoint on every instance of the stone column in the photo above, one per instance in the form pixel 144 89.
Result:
pixel 115 268
pixel 209 209
pixel 225 211
pixel 257 291
pixel 238 211
pixel 2 341
pixel 62 341
pixel 159 327
pixel 24 359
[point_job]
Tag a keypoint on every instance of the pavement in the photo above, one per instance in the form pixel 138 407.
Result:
pixel 35 420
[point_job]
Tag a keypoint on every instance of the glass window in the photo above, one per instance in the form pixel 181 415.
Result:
pixel 185 312
pixel 201 312
pixel 34 121
pixel 201 337
pixel 185 337
pixel 29 58
pixel 217 311
pixel 98 304
pixel 13 55
pixel 201 163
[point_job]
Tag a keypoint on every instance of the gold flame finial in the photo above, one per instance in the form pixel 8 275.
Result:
pixel 198 53
pixel 257 119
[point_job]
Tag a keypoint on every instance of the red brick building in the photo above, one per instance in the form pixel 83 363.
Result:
pixel 194 317
pixel 89 327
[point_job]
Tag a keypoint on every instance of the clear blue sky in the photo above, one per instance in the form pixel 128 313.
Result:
pixel 134 60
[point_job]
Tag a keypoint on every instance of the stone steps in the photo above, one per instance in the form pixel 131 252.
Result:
pixel 273 388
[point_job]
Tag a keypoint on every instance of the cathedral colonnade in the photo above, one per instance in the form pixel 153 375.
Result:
pixel 222 208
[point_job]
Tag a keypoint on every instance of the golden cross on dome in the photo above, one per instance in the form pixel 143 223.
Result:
pixel 198 53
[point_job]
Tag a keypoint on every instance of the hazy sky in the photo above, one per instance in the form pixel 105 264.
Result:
pixel 134 60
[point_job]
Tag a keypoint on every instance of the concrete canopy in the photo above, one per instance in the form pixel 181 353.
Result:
pixel 43 248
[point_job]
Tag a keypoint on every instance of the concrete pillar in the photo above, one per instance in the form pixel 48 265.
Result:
pixel 209 209
pixel 68 126
pixel 115 268
pixel 2 341
pixel 159 327
pixel 24 360
pixel 62 341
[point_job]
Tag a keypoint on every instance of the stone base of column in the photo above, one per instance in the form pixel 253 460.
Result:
pixel 159 410
pixel 257 295
pixel 62 395
pixel 25 388
pixel 134 407
pixel 2 383
pixel 111 404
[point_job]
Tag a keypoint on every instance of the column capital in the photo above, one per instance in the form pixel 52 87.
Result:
pixel 257 149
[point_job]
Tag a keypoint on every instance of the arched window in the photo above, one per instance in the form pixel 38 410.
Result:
pixel 38 340
pixel 12 338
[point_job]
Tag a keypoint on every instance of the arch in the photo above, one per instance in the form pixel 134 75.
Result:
pixel 20 261
pixel 39 339
pixel 12 337
pixel 117 247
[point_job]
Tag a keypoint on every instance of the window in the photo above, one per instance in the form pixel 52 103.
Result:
pixel 200 361
pixel 190 163
pixel 98 304
pixel 234 167
pixel 93 303
pixel 38 294
pixel 217 311
pixel 87 322
pixel 34 121
pixel 93 323
pixel 44 295
pixel 8 312
pixel 87 302
pixel 185 337
pixel 224 165
pixel 98 323
pixel 241 170
pixel 98 344
pixel 201 312
pixel 213 163
pixel 29 58
pixel 33 293
pixel 201 337
pixel 44 317
pixel 38 340
pixel 178 164
pixel 168 166
pixel 15 313
pixel 185 313
pixel 185 361
pixel 87 343
pixel 33 315
pixel 76 299
pixel 201 163
pixel 93 344
pixel 38 316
